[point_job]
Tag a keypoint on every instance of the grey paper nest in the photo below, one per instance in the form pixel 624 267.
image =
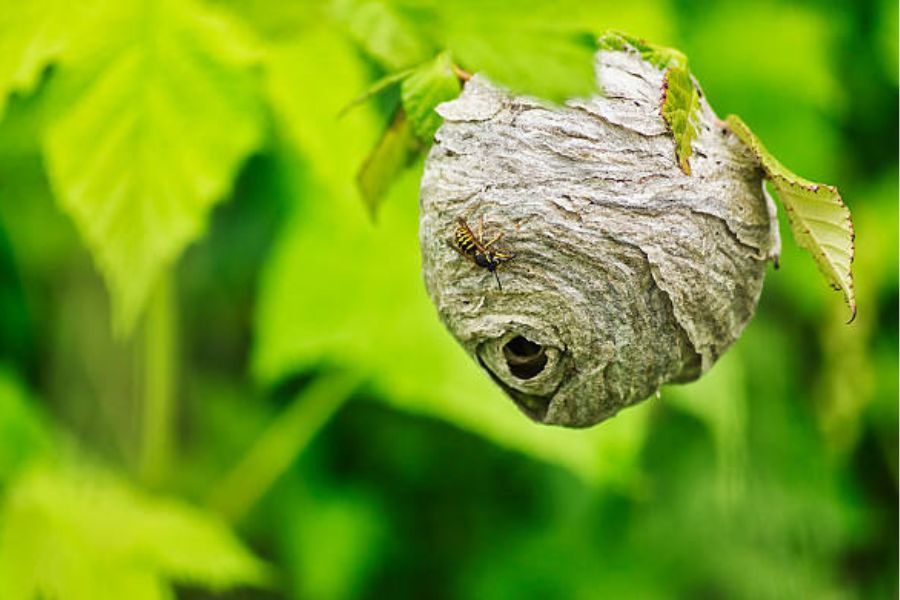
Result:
pixel 628 274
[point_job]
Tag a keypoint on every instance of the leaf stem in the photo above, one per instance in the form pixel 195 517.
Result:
pixel 461 73
pixel 159 375
pixel 278 446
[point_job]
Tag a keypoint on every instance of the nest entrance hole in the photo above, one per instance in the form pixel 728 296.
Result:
pixel 524 358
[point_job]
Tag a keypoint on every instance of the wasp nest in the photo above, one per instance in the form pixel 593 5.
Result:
pixel 620 273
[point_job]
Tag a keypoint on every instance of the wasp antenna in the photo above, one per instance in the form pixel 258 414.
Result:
pixel 497 277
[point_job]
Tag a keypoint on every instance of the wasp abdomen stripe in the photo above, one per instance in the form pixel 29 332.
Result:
pixel 464 240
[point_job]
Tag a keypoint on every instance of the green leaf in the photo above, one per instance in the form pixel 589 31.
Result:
pixel 390 156
pixel 424 89
pixel 167 114
pixel 540 48
pixel 84 534
pixel 383 32
pixel 536 47
pixel 819 218
pixel 308 80
pixel 680 99
pixel 680 109
pixel 375 317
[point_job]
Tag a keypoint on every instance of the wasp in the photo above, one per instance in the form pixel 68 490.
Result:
pixel 473 246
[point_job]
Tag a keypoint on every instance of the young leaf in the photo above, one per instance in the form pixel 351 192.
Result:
pixel 393 153
pixel 680 107
pixel 153 141
pixel 428 86
pixel 818 216
pixel 680 99
pixel 84 534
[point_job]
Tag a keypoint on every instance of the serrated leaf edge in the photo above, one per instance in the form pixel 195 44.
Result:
pixel 775 172
pixel 667 60
pixel 693 112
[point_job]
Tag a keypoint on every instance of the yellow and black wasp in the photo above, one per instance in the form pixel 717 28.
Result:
pixel 474 247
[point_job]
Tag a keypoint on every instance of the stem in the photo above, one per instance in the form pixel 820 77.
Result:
pixel 278 446
pixel 461 74
pixel 159 375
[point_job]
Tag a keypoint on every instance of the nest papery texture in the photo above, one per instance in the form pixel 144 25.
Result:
pixel 628 273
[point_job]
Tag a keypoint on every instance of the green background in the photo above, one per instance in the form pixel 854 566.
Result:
pixel 218 374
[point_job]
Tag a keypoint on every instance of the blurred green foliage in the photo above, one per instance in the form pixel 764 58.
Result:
pixel 287 390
